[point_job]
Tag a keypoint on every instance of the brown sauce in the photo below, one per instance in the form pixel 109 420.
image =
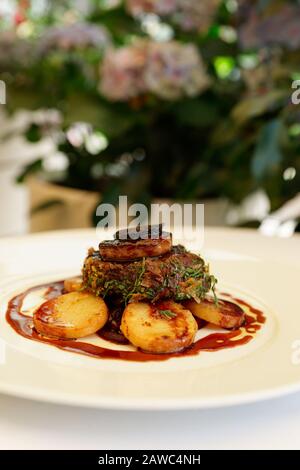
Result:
pixel 110 334
pixel 23 325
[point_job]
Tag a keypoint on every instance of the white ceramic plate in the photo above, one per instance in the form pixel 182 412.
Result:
pixel 264 271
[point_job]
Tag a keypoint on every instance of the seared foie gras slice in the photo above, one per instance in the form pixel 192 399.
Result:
pixel 224 314
pixel 165 327
pixel 117 250
pixel 142 233
pixel 132 244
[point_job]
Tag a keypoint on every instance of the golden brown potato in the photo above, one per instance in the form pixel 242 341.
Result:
pixel 225 314
pixel 72 315
pixel 73 284
pixel 165 327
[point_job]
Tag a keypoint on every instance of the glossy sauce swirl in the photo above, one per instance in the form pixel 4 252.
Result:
pixel 23 325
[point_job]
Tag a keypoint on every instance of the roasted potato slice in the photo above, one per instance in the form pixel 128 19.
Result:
pixel 224 314
pixel 72 315
pixel 73 284
pixel 165 327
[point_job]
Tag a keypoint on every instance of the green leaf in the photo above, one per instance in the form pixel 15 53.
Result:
pixel 198 113
pixel 24 98
pixel 34 133
pixel 258 105
pixel 107 118
pixel 167 313
pixel 224 66
pixel 267 155
pixel 30 169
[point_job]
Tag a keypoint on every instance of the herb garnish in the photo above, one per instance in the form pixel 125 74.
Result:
pixel 213 289
pixel 137 282
pixel 167 313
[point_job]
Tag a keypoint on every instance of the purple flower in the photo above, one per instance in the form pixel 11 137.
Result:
pixel 282 27
pixel 188 14
pixel 161 7
pixel 196 15
pixel 74 36
pixel 174 70
pixel 168 70
pixel 122 72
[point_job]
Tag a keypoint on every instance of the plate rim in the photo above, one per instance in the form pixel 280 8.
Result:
pixel 141 404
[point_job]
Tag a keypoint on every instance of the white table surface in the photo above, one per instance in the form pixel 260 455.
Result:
pixel 273 424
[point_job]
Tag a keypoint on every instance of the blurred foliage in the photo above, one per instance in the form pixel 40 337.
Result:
pixel 238 134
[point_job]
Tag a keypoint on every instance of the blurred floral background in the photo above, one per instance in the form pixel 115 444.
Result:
pixel 186 100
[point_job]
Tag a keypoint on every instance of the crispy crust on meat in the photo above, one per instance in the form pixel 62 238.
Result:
pixel 178 275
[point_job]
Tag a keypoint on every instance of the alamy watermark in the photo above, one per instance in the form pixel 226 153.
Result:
pixel 2 92
pixel 186 221
pixel 296 94
pixel 295 356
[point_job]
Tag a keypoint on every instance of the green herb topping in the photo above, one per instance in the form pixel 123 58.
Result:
pixel 167 313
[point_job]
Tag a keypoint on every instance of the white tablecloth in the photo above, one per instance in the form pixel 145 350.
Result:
pixel 274 424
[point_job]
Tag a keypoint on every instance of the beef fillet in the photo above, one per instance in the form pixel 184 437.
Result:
pixel 177 274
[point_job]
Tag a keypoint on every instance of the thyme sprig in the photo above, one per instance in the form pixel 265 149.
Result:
pixel 137 282
pixel 167 313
